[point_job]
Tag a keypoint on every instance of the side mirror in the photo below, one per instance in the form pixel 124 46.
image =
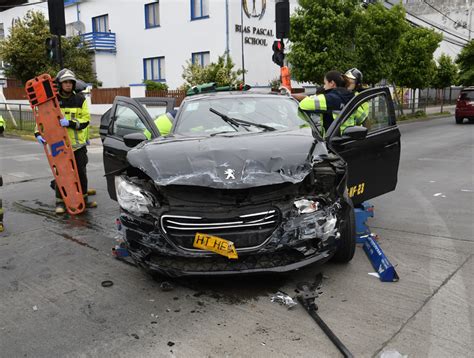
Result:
pixel 355 132
pixel 351 133
pixel 133 139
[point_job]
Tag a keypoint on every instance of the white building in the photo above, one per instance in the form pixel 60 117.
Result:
pixel 152 39
pixel 452 18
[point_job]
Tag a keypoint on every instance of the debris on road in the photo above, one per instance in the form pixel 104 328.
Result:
pixel 166 286
pixel 107 283
pixel 307 296
pixel 35 308
pixel 391 353
pixel 283 299
pixel 135 336
pixel 170 344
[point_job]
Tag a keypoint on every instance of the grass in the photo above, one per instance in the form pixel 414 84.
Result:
pixel 421 115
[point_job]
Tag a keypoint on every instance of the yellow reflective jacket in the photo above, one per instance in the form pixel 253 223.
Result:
pixel 164 123
pixel 75 109
pixel 3 123
pixel 329 104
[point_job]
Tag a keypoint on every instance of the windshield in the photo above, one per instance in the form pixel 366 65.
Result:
pixel 467 95
pixel 279 113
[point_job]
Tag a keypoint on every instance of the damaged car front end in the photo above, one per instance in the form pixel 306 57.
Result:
pixel 279 196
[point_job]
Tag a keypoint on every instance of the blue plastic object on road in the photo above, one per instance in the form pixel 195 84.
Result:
pixel 362 213
pixel 379 261
pixel 374 252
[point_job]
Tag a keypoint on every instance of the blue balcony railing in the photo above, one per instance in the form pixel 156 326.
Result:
pixel 100 41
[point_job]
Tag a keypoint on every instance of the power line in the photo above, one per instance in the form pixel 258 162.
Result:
pixel 435 9
pixel 434 25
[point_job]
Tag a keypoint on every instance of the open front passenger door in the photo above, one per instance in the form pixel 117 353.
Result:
pixel 372 155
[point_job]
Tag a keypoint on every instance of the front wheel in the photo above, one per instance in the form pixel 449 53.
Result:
pixel 459 120
pixel 347 241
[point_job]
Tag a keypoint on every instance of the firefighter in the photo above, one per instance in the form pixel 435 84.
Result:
pixel 164 123
pixel 354 79
pixel 76 119
pixel 330 102
pixel 3 126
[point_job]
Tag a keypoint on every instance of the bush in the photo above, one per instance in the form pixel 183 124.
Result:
pixel 221 73
pixel 155 86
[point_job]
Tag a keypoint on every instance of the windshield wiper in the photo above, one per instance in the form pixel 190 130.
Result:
pixel 240 122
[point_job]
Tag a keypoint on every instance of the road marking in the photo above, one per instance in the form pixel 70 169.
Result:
pixel 467 190
pixel 16 157
pixel 19 175
pixel 26 159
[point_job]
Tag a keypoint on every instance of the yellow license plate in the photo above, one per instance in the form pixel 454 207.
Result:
pixel 215 244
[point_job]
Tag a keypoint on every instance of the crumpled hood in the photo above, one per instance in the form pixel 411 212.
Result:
pixel 229 162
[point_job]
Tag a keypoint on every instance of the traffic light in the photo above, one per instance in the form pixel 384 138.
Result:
pixel 278 48
pixel 282 19
pixel 52 48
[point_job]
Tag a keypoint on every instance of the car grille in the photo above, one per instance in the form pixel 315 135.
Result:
pixel 246 231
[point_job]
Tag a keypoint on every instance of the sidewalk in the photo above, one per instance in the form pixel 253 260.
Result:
pixel 437 109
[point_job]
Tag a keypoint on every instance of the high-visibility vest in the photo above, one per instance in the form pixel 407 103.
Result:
pixel 75 109
pixel 164 123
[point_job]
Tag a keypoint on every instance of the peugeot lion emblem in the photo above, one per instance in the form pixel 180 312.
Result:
pixel 230 174
pixel 254 13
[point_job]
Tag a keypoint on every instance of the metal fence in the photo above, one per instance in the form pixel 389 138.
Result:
pixel 19 116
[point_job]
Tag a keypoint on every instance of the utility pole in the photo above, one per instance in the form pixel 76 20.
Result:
pixel 469 31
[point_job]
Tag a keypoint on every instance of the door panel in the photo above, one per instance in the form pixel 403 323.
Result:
pixel 372 162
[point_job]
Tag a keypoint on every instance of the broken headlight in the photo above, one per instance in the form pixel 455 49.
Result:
pixel 306 206
pixel 131 197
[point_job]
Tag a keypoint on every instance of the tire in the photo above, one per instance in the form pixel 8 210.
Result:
pixel 471 120
pixel 347 241
pixel 459 120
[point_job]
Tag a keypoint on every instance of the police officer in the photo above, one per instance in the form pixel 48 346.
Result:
pixel 76 119
pixel 330 102
pixel 354 79
pixel 164 123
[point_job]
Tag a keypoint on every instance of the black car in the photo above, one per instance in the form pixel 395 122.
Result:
pixel 244 183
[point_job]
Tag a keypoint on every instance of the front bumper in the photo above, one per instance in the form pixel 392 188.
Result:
pixel 300 240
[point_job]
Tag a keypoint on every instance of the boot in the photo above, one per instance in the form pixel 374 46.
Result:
pixel 91 192
pixel 89 204
pixel 60 207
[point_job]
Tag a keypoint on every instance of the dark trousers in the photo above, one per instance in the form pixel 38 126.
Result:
pixel 81 162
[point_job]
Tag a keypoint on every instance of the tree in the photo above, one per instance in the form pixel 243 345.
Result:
pixel 377 38
pixel 322 37
pixel 465 61
pixel 414 66
pixel 25 53
pixel 446 72
pixel 220 72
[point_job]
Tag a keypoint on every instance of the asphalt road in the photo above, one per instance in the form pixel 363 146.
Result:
pixel 52 303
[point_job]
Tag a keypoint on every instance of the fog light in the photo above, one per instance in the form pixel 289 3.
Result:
pixel 306 206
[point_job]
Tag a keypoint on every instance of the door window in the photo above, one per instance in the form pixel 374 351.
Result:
pixel 372 114
pixel 126 122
